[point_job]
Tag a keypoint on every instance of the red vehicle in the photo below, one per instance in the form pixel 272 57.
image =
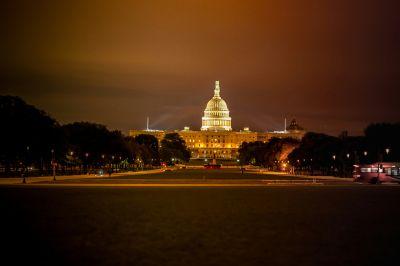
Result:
pixel 212 166
pixel 380 172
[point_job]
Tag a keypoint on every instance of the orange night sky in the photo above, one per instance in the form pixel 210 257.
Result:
pixel 334 65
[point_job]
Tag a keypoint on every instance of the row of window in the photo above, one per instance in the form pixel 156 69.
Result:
pixel 216 123
pixel 390 171
pixel 213 146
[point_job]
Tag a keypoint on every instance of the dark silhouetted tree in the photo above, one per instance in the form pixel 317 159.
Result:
pixel 174 147
pixel 28 135
pixel 150 143
pixel 95 140
pixel 383 142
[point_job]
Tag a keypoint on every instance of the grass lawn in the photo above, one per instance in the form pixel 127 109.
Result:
pixel 207 174
pixel 355 225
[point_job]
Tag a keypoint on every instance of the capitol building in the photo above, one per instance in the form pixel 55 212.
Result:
pixel 216 139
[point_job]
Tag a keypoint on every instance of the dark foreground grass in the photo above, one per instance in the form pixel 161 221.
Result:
pixel 201 226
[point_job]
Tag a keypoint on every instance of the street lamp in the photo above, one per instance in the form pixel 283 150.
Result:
pixel 53 163
pixel 365 153
pixel 348 155
pixel 23 167
pixel 334 157
pixel 22 172
pixel 387 150
pixel 87 164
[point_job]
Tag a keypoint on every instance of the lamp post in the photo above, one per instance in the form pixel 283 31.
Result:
pixel 334 164
pixel 387 150
pixel 365 153
pixel 53 163
pixel 23 168
pixel 71 153
pixel 141 163
pixel 87 163
pixel 102 161
pixel 112 163
pixel 346 164
pixel 22 173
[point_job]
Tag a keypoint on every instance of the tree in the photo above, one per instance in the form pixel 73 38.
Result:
pixel 174 147
pixel 85 137
pixel 90 142
pixel 28 135
pixel 134 149
pixel 383 142
pixel 266 154
pixel 316 152
pixel 278 149
pixel 326 154
pixel 150 143
pixel 252 152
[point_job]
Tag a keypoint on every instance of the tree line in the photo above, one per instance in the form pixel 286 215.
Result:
pixel 33 141
pixel 321 154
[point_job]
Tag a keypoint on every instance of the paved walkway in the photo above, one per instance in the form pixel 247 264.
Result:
pixel 29 180
pixel 172 185
pixel 317 177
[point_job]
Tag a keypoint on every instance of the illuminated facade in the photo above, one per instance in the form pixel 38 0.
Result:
pixel 216 138
pixel 216 115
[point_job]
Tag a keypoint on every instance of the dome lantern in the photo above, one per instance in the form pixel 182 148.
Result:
pixel 217 89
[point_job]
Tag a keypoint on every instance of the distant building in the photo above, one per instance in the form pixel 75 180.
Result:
pixel 216 137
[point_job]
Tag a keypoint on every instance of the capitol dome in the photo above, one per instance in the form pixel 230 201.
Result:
pixel 216 115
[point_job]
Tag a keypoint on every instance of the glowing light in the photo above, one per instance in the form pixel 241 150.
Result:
pixel 216 115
